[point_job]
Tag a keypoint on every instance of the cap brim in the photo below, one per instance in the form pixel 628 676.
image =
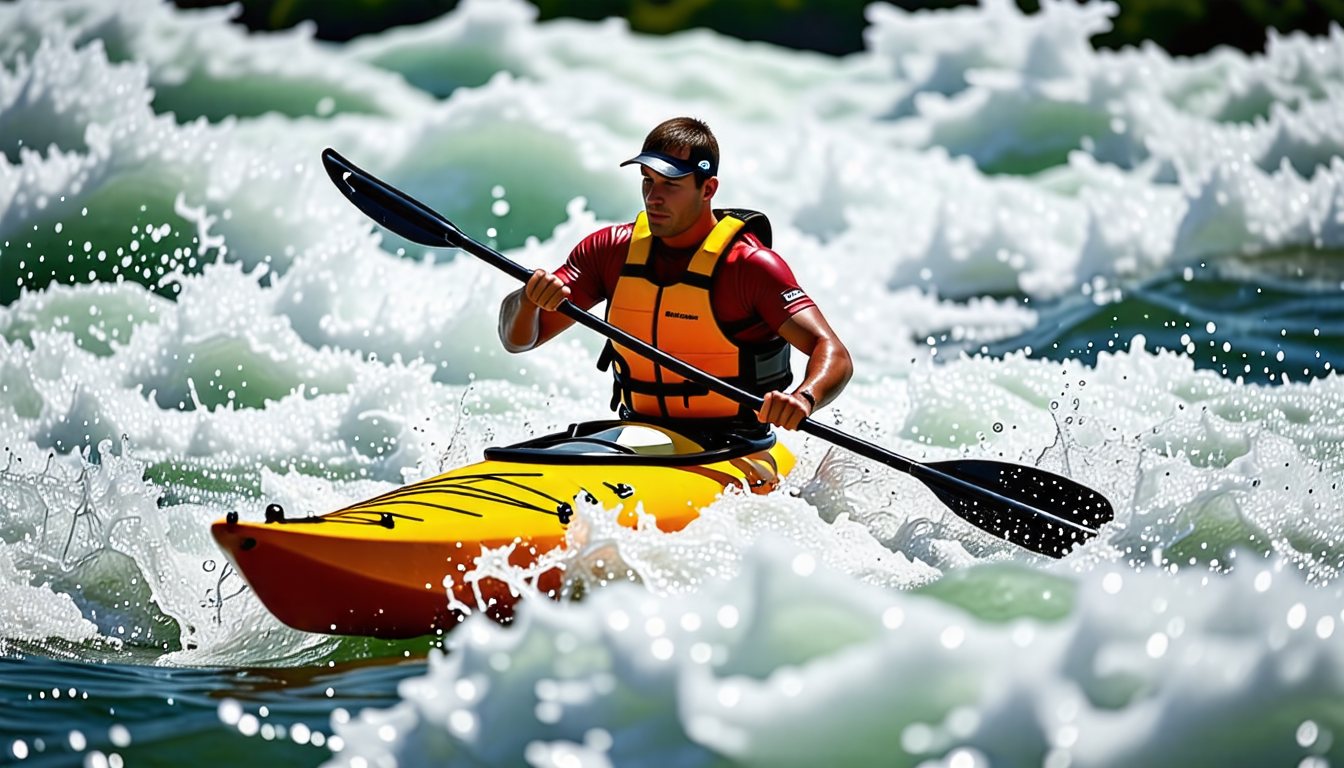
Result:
pixel 659 166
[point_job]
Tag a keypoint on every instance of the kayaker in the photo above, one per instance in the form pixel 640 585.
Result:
pixel 698 283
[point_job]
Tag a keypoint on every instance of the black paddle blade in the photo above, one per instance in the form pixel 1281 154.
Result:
pixel 388 205
pixel 1055 513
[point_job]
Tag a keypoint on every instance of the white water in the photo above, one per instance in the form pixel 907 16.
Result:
pixel 301 361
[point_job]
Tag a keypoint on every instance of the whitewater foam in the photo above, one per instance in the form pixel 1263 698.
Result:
pixel 196 322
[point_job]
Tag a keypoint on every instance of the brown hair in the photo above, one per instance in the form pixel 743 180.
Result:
pixel 687 132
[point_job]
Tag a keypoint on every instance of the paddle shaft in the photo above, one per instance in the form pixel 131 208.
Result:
pixel 922 472
pixel 1014 512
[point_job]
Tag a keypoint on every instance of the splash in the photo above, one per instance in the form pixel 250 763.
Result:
pixel 736 672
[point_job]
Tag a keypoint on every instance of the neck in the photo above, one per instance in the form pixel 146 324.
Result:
pixel 696 233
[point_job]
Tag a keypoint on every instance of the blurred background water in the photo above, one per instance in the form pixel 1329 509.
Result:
pixel 1183 27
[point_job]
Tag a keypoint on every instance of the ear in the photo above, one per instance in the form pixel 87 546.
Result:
pixel 711 186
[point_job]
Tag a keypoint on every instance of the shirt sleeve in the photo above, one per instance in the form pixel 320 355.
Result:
pixel 769 288
pixel 594 265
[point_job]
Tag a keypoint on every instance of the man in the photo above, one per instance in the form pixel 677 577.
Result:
pixel 699 284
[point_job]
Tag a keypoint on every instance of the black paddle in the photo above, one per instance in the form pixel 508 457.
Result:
pixel 1030 507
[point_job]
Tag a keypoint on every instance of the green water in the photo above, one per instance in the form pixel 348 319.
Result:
pixel 172 716
pixel 1264 323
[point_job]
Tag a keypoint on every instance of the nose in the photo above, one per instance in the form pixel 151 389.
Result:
pixel 653 192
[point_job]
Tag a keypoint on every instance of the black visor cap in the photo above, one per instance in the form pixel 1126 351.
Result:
pixel 675 168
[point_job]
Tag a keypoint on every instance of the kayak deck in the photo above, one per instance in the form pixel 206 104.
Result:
pixel 378 567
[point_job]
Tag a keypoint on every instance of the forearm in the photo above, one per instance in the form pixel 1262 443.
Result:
pixel 829 369
pixel 519 323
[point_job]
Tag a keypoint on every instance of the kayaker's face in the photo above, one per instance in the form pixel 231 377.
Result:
pixel 674 205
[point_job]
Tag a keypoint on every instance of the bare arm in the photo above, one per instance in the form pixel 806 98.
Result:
pixel 829 368
pixel 527 317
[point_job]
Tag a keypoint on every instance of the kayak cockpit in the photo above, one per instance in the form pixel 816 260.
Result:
pixel 625 442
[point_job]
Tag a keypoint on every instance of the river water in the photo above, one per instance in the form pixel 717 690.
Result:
pixel 1117 265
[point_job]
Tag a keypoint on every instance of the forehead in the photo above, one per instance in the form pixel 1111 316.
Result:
pixel 656 176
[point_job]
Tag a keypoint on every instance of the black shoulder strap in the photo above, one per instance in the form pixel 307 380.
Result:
pixel 755 221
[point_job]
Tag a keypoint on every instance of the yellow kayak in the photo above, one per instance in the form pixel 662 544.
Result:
pixel 378 567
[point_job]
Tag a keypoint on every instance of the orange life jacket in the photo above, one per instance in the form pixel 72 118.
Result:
pixel 678 319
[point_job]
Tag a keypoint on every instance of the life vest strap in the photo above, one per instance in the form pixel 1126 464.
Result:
pixel 645 271
pixel 772 370
pixel 773 363
pixel 623 383
pixel 608 354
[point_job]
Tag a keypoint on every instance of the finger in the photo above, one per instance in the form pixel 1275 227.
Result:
pixel 770 406
pixel 545 289
pixel 763 415
pixel 779 409
pixel 804 410
pixel 534 286
pixel 554 293
pixel 560 296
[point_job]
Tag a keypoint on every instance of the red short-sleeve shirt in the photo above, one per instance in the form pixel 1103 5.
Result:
pixel 753 291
